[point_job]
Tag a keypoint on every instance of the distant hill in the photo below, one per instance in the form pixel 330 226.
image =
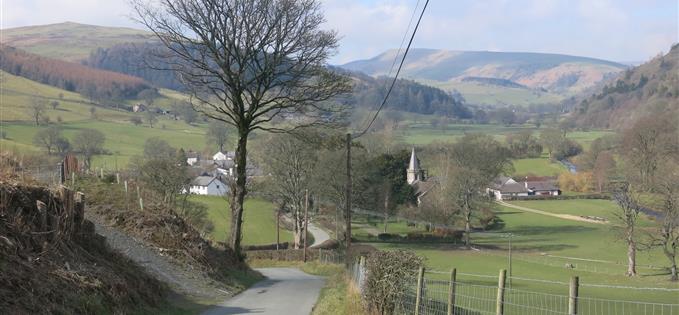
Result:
pixel 652 87
pixel 563 75
pixel 70 41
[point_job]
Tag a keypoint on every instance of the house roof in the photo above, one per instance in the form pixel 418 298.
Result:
pixel 501 181
pixel 542 186
pixel 423 187
pixel 203 180
pixel 513 188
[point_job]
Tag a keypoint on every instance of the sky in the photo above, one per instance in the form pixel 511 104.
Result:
pixel 617 30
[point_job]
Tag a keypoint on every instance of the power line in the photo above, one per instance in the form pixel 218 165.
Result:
pixel 398 71
pixel 398 53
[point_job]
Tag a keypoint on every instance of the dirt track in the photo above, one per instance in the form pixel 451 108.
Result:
pixel 556 215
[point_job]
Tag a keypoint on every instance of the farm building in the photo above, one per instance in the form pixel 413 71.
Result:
pixel 208 185
pixel 506 187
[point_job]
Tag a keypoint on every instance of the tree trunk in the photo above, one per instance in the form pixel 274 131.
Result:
pixel 238 193
pixel 467 229
pixel 631 256
pixel 386 210
pixel 298 229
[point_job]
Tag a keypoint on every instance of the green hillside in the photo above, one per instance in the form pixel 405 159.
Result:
pixel 70 41
pixel 123 139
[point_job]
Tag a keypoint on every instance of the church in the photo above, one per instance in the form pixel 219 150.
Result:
pixel 417 178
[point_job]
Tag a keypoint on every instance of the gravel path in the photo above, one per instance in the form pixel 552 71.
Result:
pixel 286 291
pixel 179 277
pixel 556 215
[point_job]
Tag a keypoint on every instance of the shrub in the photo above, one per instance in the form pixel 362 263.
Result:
pixel 387 236
pixel 389 274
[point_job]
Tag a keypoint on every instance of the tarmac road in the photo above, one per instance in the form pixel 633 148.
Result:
pixel 286 291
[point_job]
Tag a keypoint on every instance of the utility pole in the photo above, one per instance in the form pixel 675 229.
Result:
pixel 347 215
pixel 278 227
pixel 306 219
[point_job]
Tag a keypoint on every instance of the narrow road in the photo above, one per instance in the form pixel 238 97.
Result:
pixel 286 291
pixel 556 215
pixel 319 234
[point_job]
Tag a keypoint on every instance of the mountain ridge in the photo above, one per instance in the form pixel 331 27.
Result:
pixel 558 73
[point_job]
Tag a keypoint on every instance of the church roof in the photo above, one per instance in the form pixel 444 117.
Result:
pixel 414 164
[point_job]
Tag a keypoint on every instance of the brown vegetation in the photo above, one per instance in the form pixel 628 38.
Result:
pixel 93 83
pixel 53 262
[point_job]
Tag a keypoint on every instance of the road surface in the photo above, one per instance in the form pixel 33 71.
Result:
pixel 319 234
pixel 286 291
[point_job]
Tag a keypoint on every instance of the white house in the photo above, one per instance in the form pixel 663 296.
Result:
pixel 219 156
pixel 208 185
pixel 504 187
pixel 192 158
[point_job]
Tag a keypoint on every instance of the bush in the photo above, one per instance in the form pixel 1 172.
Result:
pixel 387 236
pixel 389 274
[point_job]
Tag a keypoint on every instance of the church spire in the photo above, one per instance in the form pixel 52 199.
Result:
pixel 413 173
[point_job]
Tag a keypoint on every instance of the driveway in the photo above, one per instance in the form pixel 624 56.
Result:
pixel 286 291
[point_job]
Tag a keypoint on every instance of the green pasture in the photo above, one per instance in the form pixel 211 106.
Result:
pixel 538 167
pixel 259 223
pixel 543 245
pixel 582 207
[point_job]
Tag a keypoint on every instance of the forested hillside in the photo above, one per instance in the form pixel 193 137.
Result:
pixel 93 83
pixel 133 59
pixel 650 88
pixel 407 95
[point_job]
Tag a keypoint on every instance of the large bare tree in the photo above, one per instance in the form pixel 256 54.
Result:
pixel 627 200
pixel 245 62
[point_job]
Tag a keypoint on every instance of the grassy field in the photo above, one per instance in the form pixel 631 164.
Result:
pixel 538 167
pixel 259 224
pixel 487 94
pixel 581 207
pixel 541 247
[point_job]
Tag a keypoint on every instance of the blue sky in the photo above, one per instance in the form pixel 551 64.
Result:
pixel 619 30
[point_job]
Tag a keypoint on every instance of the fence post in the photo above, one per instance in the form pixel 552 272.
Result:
pixel 573 296
pixel 118 178
pixel 101 173
pixel 451 292
pixel 141 204
pixel 500 304
pixel 418 296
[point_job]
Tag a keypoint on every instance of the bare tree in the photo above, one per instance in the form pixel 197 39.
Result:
pixel 290 163
pixel 36 109
pixel 666 235
pixel 628 214
pixel 47 138
pixel 218 134
pixel 245 62
pixel 150 116
pixel 89 142
pixel 54 104
pixel 604 167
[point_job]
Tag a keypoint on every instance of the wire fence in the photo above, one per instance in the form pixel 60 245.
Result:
pixel 433 296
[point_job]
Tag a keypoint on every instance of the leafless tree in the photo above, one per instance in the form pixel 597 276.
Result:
pixel 218 134
pixel 89 142
pixel 290 163
pixel 36 109
pixel 47 138
pixel 666 235
pixel 245 62
pixel 628 214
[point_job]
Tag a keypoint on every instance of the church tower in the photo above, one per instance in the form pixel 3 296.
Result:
pixel 414 173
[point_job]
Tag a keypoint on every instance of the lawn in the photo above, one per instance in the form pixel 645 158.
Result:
pixel 541 247
pixel 538 167
pixel 259 224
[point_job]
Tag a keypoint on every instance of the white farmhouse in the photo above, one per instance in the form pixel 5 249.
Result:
pixel 219 156
pixel 208 185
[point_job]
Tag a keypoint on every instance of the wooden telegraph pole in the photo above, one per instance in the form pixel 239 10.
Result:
pixel 347 215
pixel 278 227
pixel 306 219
